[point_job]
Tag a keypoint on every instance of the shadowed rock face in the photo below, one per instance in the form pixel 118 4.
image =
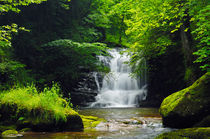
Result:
pixel 86 90
pixel 189 106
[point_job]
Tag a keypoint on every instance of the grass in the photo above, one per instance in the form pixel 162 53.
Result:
pixel 28 102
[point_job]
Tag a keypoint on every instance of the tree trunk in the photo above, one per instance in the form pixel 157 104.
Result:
pixel 121 30
pixel 187 50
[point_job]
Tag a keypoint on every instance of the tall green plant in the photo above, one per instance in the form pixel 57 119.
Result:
pixel 29 103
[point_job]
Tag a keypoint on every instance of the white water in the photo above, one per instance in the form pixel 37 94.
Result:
pixel 119 89
pixel 96 80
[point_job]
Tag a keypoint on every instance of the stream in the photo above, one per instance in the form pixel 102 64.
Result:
pixel 122 123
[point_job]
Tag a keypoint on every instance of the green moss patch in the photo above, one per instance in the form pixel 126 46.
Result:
pixel 189 133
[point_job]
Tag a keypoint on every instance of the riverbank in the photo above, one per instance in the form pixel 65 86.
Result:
pixel 26 107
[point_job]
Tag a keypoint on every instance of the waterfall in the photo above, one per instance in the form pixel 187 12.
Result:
pixel 119 89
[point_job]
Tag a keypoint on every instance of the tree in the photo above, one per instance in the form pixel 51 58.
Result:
pixel 110 15
pixel 9 68
pixel 153 26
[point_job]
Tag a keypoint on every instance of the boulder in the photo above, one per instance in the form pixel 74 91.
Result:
pixel 73 122
pixel 189 106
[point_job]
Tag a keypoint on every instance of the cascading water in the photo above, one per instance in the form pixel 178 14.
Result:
pixel 119 89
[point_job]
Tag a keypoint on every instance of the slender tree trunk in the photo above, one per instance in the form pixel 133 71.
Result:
pixel 186 47
pixel 121 30
pixel 187 50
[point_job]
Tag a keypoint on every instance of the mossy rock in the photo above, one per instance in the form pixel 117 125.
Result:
pixel 133 122
pixel 37 121
pixel 73 122
pixel 90 122
pixel 10 133
pixel 189 106
pixel 189 133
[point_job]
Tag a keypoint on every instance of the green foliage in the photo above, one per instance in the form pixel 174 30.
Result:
pixel 13 72
pixel 200 19
pixel 65 61
pixel 77 54
pixel 6 34
pixel 11 5
pixel 6 30
pixel 152 26
pixel 45 105
pixel 110 15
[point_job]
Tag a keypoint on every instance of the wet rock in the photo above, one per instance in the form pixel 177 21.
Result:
pixel 188 106
pixel 133 122
pixel 86 89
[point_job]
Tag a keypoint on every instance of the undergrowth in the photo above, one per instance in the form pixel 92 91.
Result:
pixel 28 102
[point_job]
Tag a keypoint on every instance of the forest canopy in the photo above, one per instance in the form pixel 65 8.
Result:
pixel 35 34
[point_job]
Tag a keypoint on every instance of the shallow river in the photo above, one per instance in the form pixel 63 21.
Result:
pixel 122 123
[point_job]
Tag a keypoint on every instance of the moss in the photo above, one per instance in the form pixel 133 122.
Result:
pixel 171 102
pixel 90 122
pixel 9 132
pixel 189 133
